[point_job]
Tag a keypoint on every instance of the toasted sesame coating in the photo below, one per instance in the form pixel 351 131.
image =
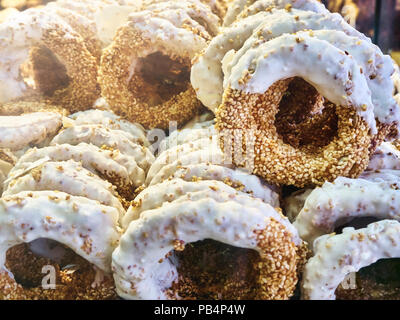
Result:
pixel 226 272
pixel 281 163
pixel 158 90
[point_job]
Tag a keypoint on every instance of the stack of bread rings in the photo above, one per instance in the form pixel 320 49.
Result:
pixel 196 149
pixel 193 208
pixel 63 201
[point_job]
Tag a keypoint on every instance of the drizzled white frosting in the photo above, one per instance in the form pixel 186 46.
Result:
pixel 248 182
pixel 334 74
pixel 335 256
pixel 69 177
pixel 207 76
pixel 171 190
pixel 91 157
pixel 373 195
pixel 138 272
pixel 18 132
pixel 245 7
pixel 100 136
pixel 87 227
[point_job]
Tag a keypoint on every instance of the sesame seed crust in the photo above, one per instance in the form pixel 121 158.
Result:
pixel 281 163
pixel 149 33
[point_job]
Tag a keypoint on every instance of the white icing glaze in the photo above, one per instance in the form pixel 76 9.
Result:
pixel 69 177
pixel 92 158
pixel 338 255
pixel 207 156
pixel 250 183
pixel 101 136
pixel 184 136
pixel 261 5
pixel 334 74
pixel 138 272
pixel 171 190
pixel 173 154
pixel 386 156
pixel 17 36
pixel 18 132
pixel 86 226
pixel 373 195
pixel 207 76
pixel 250 6
pixel 110 120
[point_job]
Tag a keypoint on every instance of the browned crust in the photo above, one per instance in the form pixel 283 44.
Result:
pixel 114 75
pixel 347 154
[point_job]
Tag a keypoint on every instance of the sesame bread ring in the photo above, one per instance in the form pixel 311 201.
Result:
pixel 86 226
pixel 338 255
pixel 386 156
pixel 111 121
pixel 69 177
pixel 336 203
pixel 209 89
pixel 256 87
pixel 235 178
pixel 376 67
pixel 293 203
pixel 121 170
pixel 142 74
pixel 35 27
pixel 102 137
pixel 85 231
pixel 154 196
pixel 18 132
pixel 173 154
pixel 143 269
pixel 240 9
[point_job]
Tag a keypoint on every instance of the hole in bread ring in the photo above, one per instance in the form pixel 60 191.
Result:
pixel 34 28
pixel 35 265
pixel 145 84
pixel 85 226
pixel 254 92
pixel 281 163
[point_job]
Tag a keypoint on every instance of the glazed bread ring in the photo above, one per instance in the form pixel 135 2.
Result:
pixel 386 156
pixel 143 270
pixel 235 178
pixel 84 226
pixel 326 208
pixel 252 101
pixel 243 8
pixel 376 67
pixel 338 255
pixel 131 71
pixel 18 132
pixel 121 170
pixel 69 177
pixel 154 196
pixel 35 27
pixel 207 74
pixel 102 137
